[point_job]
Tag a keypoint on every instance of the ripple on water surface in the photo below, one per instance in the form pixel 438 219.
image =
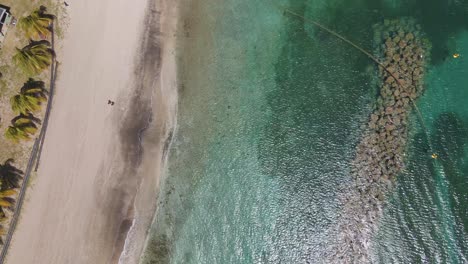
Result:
pixel 270 113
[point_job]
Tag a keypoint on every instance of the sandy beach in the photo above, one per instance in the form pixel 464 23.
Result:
pixel 97 183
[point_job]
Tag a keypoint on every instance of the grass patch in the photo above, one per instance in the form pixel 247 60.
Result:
pixel 12 78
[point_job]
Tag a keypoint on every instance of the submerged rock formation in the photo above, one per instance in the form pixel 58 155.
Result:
pixel 379 156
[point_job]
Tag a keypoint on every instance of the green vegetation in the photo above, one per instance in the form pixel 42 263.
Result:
pixel 34 88
pixel 34 58
pixel 23 128
pixel 10 178
pixel 30 98
pixel 5 199
pixel 33 29
pixel 16 134
pixel 28 101
pixel 24 103
pixel 36 25
pixel 3 219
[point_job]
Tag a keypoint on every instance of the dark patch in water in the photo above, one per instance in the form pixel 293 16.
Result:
pixel 160 250
pixel 441 20
pixel 416 210
pixel 300 104
pixel 450 138
pixel 321 89
pixel 423 166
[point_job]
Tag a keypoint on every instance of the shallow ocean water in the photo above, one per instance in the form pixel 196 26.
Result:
pixel 270 111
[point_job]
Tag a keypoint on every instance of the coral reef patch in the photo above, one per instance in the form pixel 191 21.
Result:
pixel 379 157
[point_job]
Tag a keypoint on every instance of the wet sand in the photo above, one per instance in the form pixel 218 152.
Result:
pixel 100 166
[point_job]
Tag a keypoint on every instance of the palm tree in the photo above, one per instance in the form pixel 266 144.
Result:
pixel 35 88
pixel 3 220
pixel 15 134
pixel 34 58
pixel 10 176
pixel 25 103
pixel 5 199
pixel 36 25
pixel 23 119
pixel 22 128
pixel 31 95
pixel 2 216
pixel 21 131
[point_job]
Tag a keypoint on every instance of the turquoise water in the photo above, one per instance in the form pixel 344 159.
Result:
pixel 270 112
pixel 427 220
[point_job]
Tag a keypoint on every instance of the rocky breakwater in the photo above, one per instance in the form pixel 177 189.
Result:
pixel 379 158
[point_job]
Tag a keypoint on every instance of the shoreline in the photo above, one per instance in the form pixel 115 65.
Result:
pixel 98 179
pixel 161 18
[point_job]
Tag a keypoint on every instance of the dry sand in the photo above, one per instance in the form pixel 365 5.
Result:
pixel 84 199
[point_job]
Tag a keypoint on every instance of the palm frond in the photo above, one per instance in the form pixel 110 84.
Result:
pixel 34 86
pixel 16 134
pixel 25 103
pixel 34 58
pixel 5 199
pixel 7 193
pixel 5 203
pixel 30 129
pixel 36 25
pixel 2 233
pixel 10 177
pixel 22 119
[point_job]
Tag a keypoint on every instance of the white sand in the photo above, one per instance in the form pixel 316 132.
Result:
pixel 81 195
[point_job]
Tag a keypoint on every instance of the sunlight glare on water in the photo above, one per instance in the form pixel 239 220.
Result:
pixel 270 114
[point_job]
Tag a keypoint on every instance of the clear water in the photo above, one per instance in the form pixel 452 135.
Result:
pixel 427 219
pixel 269 115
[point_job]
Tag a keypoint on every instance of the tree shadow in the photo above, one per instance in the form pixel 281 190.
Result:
pixel 10 176
pixel 29 117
